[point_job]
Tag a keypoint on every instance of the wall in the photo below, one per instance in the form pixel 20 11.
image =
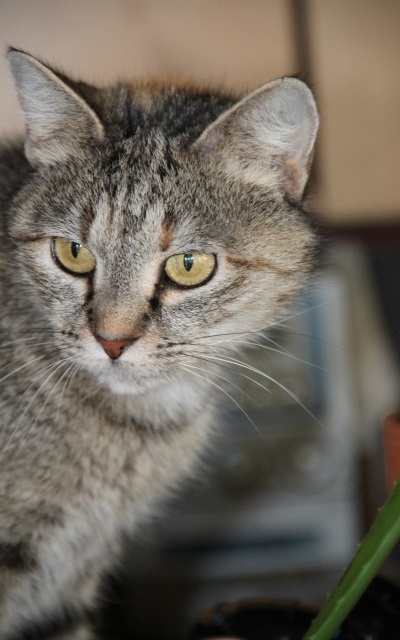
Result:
pixel 350 52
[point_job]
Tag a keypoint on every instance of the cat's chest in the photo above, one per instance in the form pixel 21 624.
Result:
pixel 112 463
pixel 71 454
pixel 122 465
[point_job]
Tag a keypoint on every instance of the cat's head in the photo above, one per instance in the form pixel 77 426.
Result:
pixel 157 221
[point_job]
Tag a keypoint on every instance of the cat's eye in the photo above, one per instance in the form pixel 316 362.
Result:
pixel 190 269
pixel 73 256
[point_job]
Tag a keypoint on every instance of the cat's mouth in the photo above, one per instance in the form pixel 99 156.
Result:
pixel 124 377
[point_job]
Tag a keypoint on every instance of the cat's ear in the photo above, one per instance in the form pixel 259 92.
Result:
pixel 268 137
pixel 58 121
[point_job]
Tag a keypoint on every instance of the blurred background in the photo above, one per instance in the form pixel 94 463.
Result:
pixel 293 484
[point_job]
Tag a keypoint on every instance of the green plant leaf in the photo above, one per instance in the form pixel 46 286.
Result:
pixel 374 549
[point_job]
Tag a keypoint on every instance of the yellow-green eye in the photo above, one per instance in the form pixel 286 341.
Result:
pixel 73 256
pixel 190 269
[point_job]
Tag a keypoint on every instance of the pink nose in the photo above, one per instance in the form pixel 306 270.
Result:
pixel 114 348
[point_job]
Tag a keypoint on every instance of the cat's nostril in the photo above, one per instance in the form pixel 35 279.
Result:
pixel 114 348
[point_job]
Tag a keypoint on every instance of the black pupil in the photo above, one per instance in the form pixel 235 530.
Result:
pixel 188 260
pixel 75 248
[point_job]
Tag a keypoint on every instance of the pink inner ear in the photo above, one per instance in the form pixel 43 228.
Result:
pixel 293 175
pixel 211 139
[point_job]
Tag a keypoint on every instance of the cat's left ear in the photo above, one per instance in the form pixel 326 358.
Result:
pixel 268 137
pixel 58 120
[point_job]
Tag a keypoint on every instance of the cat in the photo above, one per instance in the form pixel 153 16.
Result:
pixel 143 227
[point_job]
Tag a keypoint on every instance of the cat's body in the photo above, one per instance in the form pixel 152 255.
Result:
pixel 108 377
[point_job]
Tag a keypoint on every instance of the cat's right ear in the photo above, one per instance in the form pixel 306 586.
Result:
pixel 267 138
pixel 59 122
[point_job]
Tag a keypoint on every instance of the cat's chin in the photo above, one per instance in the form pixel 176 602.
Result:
pixel 124 388
pixel 121 383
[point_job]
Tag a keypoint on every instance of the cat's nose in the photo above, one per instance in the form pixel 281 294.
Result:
pixel 114 348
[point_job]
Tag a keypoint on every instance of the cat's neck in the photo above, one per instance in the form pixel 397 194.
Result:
pixel 170 405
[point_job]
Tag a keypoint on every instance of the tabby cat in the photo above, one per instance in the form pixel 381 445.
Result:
pixel 143 227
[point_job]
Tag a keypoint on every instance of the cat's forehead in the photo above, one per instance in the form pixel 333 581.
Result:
pixel 149 197
pixel 121 217
pixel 132 223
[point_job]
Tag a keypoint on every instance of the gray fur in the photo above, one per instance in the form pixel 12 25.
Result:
pixel 89 445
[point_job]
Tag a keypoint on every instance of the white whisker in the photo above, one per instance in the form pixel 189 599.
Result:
pixel 239 363
pixel 36 379
pixel 284 353
pixel 222 378
pixel 11 344
pixel 23 366
pixel 238 373
pixel 240 334
pixel 42 373
pixel 57 366
pixel 229 396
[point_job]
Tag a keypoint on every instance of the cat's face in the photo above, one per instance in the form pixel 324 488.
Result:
pixel 146 252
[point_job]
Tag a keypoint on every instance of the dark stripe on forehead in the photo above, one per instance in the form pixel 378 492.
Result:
pixel 168 215
pixel 167 166
pixel 86 223
pixel 166 235
pixel 169 158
